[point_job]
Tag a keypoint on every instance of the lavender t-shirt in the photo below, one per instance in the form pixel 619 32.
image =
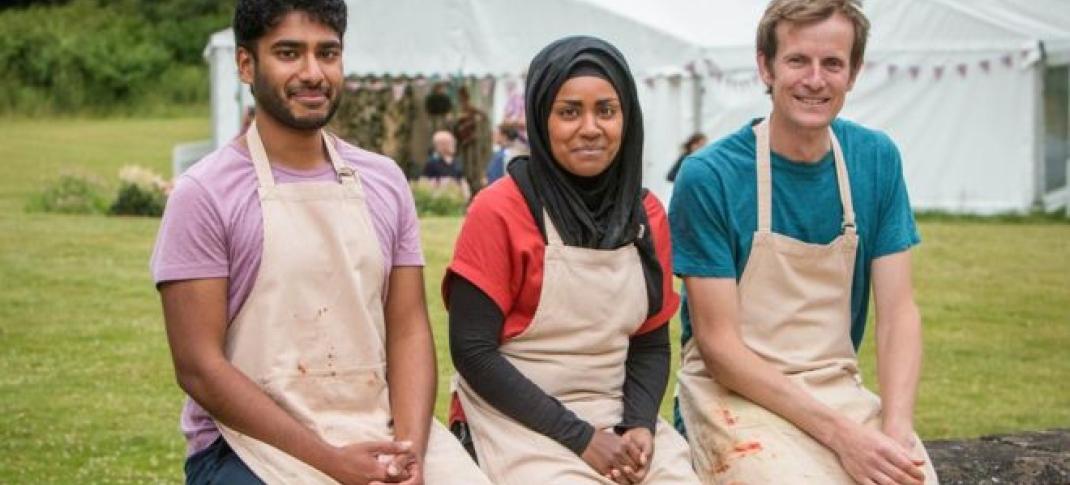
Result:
pixel 213 228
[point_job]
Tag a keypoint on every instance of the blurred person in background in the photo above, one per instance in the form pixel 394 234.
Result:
pixel 444 161
pixel 693 143
pixel 510 146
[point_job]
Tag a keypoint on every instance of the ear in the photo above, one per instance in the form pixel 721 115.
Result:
pixel 854 75
pixel 246 65
pixel 763 69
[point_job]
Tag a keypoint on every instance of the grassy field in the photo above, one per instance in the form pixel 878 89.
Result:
pixel 87 392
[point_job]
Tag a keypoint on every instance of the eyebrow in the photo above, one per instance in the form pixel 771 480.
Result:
pixel 577 101
pixel 295 44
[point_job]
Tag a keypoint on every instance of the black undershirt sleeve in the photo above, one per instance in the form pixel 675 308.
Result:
pixel 647 374
pixel 475 329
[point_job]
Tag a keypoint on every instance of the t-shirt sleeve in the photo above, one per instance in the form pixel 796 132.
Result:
pixel 483 254
pixel 191 243
pixel 896 230
pixel 701 230
pixel 408 250
pixel 659 225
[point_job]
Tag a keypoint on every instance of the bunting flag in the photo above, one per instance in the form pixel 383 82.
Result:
pixel 738 78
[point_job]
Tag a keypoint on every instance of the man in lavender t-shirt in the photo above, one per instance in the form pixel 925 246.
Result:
pixel 213 229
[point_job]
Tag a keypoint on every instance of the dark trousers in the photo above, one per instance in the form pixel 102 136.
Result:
pixel 218 464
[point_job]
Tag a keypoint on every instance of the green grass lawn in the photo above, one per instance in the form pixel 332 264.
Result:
pixel 87 392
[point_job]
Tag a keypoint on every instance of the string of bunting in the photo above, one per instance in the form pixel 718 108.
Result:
pixel 742 78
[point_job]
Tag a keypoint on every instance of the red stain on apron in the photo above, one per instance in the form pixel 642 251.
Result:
pixel 747 448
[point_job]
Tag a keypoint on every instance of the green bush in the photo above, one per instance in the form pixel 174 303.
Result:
pixel 443 197
pixel 72 193
pixel 106 57
pixel 141 193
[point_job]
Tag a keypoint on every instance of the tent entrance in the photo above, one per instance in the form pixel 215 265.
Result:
pixel 1056 127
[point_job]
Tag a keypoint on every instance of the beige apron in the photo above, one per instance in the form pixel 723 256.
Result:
pixel 795 313
pixel 311 332
pixel 591 302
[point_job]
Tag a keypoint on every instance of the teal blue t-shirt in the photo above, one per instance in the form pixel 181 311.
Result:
pixel 714 210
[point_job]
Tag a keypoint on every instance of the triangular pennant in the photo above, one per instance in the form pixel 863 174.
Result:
pixel 938 72
pixel 962 68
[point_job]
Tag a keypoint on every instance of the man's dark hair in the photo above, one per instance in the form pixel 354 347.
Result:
pixel 253 18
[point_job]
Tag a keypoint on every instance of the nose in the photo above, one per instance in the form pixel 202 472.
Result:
pixel 311 71
pixel 589 128
pixel 815 76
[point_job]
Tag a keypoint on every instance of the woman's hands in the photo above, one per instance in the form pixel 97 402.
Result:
pixel 625 459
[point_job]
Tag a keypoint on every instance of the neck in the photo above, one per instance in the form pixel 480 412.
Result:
pixel 288 147
pixel 807 145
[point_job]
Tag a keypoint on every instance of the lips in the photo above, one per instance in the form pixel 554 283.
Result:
pixel 588 150
pixel 309 96
pixel 812 100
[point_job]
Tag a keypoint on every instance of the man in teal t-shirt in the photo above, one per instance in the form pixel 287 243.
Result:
pixel 779 231
pixel 713 212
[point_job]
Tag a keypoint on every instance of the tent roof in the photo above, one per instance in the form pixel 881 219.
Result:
pixel 474 37
pixel 726 28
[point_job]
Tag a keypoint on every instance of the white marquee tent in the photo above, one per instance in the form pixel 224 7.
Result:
pixel 973 91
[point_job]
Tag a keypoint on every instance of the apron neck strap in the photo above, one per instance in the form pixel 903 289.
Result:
pixel 345 173
pixel 765 180
pixel 552 237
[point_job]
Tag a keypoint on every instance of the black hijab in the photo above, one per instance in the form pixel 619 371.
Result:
pixel 600 212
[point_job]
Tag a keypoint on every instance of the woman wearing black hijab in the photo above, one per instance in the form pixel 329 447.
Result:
pixel 560 291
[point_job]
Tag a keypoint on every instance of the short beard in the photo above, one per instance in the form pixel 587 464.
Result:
pixel 268 99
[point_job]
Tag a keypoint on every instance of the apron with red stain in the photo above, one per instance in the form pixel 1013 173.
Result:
pixel 795 313
pixel 312 332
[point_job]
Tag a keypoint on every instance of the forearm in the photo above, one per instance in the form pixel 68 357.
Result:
pixel 475 326
pixel 237 402
pixel 647 375
pixel 195 317
pixel 739 369
pixel 899 354
pixel 715 320
pixel 410 356
pixel 899 346
pixel 412 376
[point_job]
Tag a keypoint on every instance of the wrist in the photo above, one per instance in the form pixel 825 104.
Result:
pixel 418 446
pixel 901 430
pixel 837 434
pixel 324 458
pixel 580 444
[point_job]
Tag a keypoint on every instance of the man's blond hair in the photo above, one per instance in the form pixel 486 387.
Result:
pixel 807 12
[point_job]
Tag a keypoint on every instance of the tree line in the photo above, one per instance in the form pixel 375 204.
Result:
pixel 106 57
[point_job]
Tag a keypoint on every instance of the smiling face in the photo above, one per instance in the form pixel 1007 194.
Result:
pixel 810 75
pixel 585 125
pixel 297 72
